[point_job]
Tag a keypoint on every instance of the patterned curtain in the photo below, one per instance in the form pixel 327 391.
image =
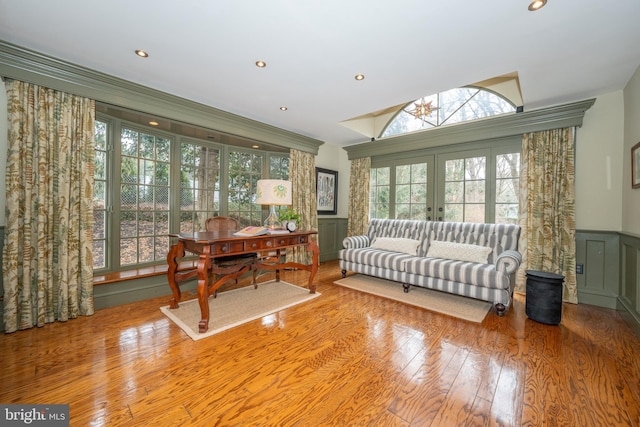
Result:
pixel 48 251
pixel 302 173
pixel 547 207
pixel 359 183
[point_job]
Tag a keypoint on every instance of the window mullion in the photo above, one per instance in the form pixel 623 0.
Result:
pixel 224 180
pixel 490 188
pixel 175 186
pixel 114 251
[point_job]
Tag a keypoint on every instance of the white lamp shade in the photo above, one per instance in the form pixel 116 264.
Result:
pixel 273 192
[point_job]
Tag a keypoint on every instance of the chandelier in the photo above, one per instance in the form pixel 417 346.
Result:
pixel 422 109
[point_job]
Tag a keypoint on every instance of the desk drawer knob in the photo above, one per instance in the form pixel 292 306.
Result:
pixel 254 246
pixel 269 243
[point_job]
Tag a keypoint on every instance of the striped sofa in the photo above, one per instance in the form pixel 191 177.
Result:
pixel 446 256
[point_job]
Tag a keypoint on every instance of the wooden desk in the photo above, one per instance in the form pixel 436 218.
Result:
pixel 211 245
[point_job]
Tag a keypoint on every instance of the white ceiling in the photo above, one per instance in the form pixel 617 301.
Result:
pixel 205 50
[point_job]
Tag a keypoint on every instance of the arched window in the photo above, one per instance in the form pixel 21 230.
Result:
pixel 444 108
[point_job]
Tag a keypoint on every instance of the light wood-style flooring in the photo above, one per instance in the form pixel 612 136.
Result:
pixel 343 359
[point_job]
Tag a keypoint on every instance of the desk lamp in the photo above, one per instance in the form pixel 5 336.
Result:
pixel 273 192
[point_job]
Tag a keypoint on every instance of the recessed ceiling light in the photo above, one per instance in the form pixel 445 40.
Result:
pixel 537 4
pixel 142 53
pixel 283 108
pixel 261 64
pixel 359 77
pixel 255 146
pixel 152 123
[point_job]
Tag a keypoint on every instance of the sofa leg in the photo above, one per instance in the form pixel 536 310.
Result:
pixel 406 287
pixel 344 273
pixel 500 309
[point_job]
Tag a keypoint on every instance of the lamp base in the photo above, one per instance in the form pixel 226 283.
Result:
pixel 272 221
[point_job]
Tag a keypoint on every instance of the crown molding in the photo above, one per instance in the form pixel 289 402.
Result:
pixel 560 116
pixel 27 65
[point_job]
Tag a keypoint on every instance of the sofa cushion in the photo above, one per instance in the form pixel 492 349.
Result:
pixel 376 257
pixel 396 244
pixel 498 237
pixel 472 273
pixel 458 251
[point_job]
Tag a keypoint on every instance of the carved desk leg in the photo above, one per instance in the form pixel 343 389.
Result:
pixel 176 251
pixel 315 257
pixel 279 259
pixel 204 267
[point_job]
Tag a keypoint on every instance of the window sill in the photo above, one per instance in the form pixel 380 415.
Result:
pixel 138 273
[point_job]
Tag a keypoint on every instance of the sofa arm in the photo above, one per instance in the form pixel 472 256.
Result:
pixel 353 242
pixel 508 261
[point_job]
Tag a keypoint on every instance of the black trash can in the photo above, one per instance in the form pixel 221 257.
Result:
pixel 544 297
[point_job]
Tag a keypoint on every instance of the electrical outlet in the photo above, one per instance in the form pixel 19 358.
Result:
pixel 579 268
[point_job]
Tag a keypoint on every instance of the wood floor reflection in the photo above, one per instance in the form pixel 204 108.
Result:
pixel 344 359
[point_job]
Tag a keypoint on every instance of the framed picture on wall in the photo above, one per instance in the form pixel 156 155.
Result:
pixel 327 191
pixel 635 166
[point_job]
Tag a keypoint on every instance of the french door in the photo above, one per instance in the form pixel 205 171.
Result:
pixel 478 185
pixel 403 189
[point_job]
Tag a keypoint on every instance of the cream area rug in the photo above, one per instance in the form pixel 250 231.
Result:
pixel 453 305
pixel 238 306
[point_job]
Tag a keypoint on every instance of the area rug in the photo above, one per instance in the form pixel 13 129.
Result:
pixel 452 305
pixel 238 306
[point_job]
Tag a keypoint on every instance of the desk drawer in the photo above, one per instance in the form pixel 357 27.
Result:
pixel 256 245
pixel 227 248
pixel 299 239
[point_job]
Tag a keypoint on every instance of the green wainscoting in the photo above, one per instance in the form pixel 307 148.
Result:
pixel 629 300
pixel 331 233
pixel 128 291
pixel 599 254
pixel 611 276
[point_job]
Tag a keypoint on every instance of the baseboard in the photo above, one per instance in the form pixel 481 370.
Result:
pixel 129 291
pixel 630 316
pixel 596 298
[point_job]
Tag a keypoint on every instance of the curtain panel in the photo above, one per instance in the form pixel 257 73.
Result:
pixel 359 185
pixel 547 207
pixel 302 173
pixel 48 251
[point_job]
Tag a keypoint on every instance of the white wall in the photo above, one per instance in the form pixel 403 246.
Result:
pixel 335 158
pixel 599 155
pixel 631 197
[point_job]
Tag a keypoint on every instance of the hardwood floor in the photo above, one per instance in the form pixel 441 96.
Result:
pixel 344 359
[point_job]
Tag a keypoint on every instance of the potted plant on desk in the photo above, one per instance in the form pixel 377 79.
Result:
pixel 289 219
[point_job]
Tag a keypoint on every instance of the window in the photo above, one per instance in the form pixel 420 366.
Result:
pixel 476 185
pixel 149 183
pixel 379 191
pixel 444 108
pixel 464 189
pixel 199 185
pixel 144 197
pixel 278 167
pixel 100 191
pixel 507 187
pixel 245 169
pixel 411 191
